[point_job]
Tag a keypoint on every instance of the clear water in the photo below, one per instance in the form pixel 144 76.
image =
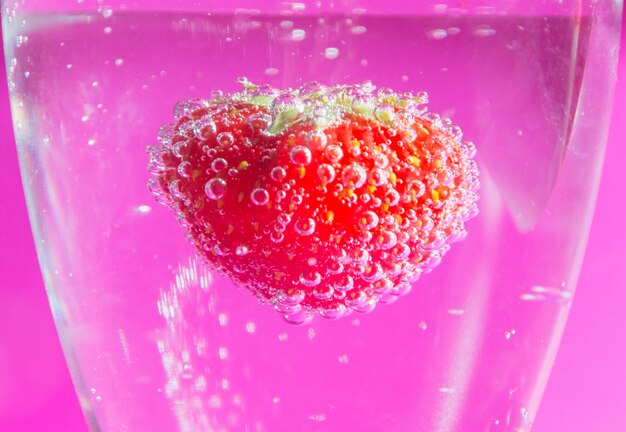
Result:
pixel 156 342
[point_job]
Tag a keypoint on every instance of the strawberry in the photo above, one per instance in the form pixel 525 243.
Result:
pixel 319 199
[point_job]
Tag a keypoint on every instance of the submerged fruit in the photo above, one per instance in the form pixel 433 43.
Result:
pixel 327 199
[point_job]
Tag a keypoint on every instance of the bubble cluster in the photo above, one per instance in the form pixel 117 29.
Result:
pixel 319 200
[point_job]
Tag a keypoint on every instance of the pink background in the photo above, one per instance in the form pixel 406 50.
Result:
pixel 585 393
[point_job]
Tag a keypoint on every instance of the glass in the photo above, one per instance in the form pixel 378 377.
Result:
pixel 157 340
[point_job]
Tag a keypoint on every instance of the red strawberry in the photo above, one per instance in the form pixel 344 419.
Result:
pixel 326 199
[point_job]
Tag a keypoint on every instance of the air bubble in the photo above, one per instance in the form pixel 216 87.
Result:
pixel 359 256
pixel 367 307
pixel 285 109
pixel 323 292
pixel 331 53
pixel 184 169
pixel 416 189
pixel 333 153
pixel 298 35
pixel 381 160
pixel 299 318
pixel 363 103
pixel 379 177
pixel 204 127
pixel 219 165
pixel 344 283
pixel 316 139
pixel 259 196
pixel 259 120
pixel 242 250
pixel 225 139
pixel 300 155
pixel 382 286
pixel 367 220
pixel 373 273
pixel 334 312
pixel 290 297
pixel 392 197
pixel 445 176
pixel 401 252
pixel 107 12
pixel 437 34
pixel 175 189
pixel 401 289
pixel 310 278
pixel 284 218
pixel 326 173
pixel 484 31
pixel 278 173
pixel 335 267
pixel 355 298
pixel 353 176
pixel 304 226
pixel 385 113
pixel 386 240
pixel 215 188
pixel 277 237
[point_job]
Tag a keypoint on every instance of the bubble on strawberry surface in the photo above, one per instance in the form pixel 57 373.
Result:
pixel 242 250
pixel 278 173
pixel 378 177
pixel 368 220
pixel 355 298
pixel 386 239
pixel 225 138
pixel 353 176
pixel 215 188
pixel 334 267
pixel 310 278
pixel 178 149
pixel 175 189
pixel 218 165
pixel 358 256
pixel 299 318
pixel 260 196
pixel 277 237
pixel 284 218
pixel 300 155
pixel 333 153
pixel 392 197
pixel 184 169
pixel 326 173
pixel 334 311
pixel 316 139
pixel 304 226
pixel 290 296
pixel 259 120
pixel 344 283
pixel 415 189
pixel 323 292
pixel 204 127
pixel 280 195
pixel 400 251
